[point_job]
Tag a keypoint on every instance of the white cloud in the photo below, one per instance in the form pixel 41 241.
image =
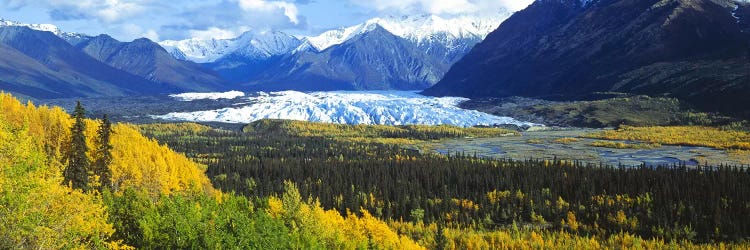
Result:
pixel 132 31
pixel 114 10
pixel 289 9
pixel 152 35
pixel 449 7
pixel 213 32
pixel 107 11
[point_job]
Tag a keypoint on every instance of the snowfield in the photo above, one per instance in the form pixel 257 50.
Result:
pixel 212 96
pixel 371 107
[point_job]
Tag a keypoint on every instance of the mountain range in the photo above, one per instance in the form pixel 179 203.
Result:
pixel 696 50
pixel 403 53
pixel 40 61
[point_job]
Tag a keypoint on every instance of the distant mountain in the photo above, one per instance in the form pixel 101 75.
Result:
pixel 40 64
pixel 403 53
pixel 251 44
pixel 275 61
pixel 72 38
pixel 698 50
pixel 373 60
pixel 45 62
pixel 144 58
pixel 447 39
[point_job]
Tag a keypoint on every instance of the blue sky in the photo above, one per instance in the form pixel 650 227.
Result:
pixel 164 19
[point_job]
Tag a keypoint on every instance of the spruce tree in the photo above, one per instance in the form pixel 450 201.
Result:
pixel 103 154
pixel 440 240
pixel 76 172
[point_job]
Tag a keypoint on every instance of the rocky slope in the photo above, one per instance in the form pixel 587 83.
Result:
pixel 147 59
pixel 40 64
pixel 696 50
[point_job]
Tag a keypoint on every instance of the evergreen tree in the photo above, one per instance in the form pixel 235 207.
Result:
pixel 103 154
pixel 76 172
pixel 440 240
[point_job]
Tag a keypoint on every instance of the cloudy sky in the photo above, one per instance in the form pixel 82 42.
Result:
pixel 161 20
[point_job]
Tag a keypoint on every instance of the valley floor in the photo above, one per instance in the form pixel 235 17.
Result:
pixel 569 144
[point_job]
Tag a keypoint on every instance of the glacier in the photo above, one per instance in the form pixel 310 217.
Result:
pixel 212 95
pixel 342 107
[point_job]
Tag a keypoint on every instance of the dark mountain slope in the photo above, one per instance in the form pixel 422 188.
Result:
pixel 375 60
pixel 692 49
pixel 147 59
pixel 41 65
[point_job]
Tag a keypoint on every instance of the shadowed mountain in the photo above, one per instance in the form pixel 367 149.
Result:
pixel 375 59
pixel 42 65
pixel 147 59
pixel 691 49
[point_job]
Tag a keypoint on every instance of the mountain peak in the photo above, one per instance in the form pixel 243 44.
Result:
pixel 416 28
pixel 40 27
pixel 72 38
pixel 260 44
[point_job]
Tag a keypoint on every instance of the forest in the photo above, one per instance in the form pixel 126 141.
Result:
pixel 399 184
pixel 298 185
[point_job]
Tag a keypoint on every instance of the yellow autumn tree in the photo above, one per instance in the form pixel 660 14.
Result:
pixel 36 212
pixel 137 161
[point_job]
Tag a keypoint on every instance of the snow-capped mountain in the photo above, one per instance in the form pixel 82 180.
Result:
pixel 72 38
pixel 404 53
pixel 370 107
pixel 423 30
pixel 419 29
pixel 251 44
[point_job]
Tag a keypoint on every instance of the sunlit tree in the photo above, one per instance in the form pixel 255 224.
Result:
pixel 76 172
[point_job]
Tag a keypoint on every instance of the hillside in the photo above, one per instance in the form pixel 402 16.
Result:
pixel 159 199
pixel 690 49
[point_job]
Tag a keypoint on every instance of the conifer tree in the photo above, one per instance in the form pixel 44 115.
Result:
pixel 76 172
pixel 103 154
pixel 440 240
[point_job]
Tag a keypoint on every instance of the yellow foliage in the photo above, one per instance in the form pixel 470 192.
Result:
pixel 566 140
pixel 468 238
pixel 137 161
pixel 143 163
pixel 334 231
pixel 572 222
pixel 37 212
pixel 682 135
pixel 275 208
pixel 373 133
pixel 622 145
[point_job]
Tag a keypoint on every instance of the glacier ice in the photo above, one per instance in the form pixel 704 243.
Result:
pixel 213 96
pixel 344 107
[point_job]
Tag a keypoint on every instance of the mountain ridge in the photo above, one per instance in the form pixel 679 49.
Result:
pixel 427 46
pixel 690 49
pixel 375 60
pixel 40 64
pixel 147 59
